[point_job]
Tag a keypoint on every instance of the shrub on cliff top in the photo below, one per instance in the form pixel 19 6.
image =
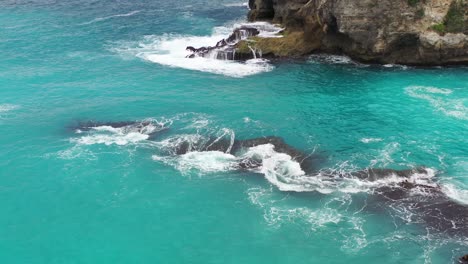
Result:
pixel 413 2
pixel 419 13
pixel 440 28
pixel 455 18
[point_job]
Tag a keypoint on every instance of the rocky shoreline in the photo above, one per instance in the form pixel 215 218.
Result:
pixel 411 32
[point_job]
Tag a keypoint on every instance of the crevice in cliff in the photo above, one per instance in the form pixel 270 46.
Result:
pixel 261 10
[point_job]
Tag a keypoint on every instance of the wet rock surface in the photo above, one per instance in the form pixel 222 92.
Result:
pixel 225 49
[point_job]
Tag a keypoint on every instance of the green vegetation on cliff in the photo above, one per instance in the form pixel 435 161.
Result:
pixel 455 20
pixel 413 2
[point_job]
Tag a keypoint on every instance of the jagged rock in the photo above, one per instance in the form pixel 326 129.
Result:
pixel 385 31
pixel 225 49
pixel 464 259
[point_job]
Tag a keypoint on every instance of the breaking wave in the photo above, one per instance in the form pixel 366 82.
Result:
pixel 192 146
pixel 190 152
pixel 170 50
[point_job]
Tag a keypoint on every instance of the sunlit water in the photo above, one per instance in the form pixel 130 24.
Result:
pixel 114 195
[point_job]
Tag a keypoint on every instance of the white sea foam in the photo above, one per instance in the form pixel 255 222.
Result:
pixel 124 135
pixel 457 194
pixel 280 169
pixel 7 108
pixel 202 162
pixel 440 99
pixel 385 156
pixel 170 50
pixel 223 67
pixel 99 19
pixel 241 4
pixel 116 138
pixel 370 140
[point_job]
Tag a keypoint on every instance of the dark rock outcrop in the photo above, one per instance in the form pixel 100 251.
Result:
pixel 225 49
pixel 386 31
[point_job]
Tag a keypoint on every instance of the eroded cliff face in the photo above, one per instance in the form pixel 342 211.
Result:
pixel 384 31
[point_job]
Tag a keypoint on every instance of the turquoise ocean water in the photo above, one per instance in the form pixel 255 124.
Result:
pixel 111 196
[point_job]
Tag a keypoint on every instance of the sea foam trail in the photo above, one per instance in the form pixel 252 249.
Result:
pixel 440 99
pixel 99 19
pixel 7 108
pixel 170 50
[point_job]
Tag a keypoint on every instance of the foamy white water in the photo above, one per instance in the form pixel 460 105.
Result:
pixel 117 138
pixel 440 99
pixel 457 194
pixel 109 135
pixel 280 169
pixel 246 4
pixel 7 108
pixel 170 50
pixel 202 162
pixel 370 140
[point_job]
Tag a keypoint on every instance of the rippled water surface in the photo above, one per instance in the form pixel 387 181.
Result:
pixel 104 193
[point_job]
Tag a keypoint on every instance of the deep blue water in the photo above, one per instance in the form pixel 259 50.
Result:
pixel 114 196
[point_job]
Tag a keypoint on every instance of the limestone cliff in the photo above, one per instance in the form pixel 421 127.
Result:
pixel 418 32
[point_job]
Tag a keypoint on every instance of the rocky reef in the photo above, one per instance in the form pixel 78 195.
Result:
pixel 413 32
pixel 225 49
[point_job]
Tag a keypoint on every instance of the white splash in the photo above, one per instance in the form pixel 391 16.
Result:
pixel 201 162
pixel 129 134
pixel 457 194
pixel 279 168
pixel 170 50
pixel 117 138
